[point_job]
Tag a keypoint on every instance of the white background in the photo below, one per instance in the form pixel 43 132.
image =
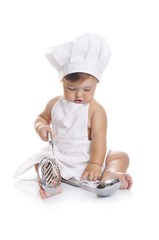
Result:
pixel 128 91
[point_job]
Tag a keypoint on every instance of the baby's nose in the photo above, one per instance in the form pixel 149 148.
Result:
pixel 78 93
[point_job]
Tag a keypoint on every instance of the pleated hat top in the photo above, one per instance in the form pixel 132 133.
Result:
pixel 90 53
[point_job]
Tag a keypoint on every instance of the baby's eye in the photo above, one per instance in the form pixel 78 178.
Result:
pixel 87 89
pixel 71 89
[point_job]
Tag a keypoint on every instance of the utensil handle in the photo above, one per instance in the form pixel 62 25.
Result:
pixel 49 134
pixel 78 184
pixel 50 140
pixel 74 183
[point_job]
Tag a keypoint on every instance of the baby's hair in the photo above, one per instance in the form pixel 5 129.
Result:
pixel 76 76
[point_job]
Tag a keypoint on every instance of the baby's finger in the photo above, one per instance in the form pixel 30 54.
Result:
pixel 84 176
pixel 91 176
pixel 99 176
pixel 96 177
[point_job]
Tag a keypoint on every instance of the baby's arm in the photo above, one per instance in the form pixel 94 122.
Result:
pixel 93 170
pixel 42 122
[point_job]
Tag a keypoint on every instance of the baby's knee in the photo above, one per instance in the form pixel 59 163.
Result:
pixel 125 156
pixel 114 155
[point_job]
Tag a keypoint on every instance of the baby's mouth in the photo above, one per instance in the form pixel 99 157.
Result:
pixel 78 101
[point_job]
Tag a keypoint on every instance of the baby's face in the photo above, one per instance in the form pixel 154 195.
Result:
pixel 81 91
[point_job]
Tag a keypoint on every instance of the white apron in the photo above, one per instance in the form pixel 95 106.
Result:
pixel 71 144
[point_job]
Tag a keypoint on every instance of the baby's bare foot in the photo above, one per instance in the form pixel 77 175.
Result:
pixel 44 194
pixel 126 179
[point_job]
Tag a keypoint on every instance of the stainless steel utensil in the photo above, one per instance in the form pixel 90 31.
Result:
pixel 49 175
pixel 102 189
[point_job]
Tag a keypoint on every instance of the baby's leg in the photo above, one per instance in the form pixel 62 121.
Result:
pixel 42 192
pixel 116 165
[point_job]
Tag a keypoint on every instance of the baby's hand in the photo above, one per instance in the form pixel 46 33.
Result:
pixel 92 172
pixel 43 132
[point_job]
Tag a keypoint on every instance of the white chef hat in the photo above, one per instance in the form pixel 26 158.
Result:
pixel 90 53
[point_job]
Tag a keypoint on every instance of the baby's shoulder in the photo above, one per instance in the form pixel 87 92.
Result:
pixel 95 106
pixel 96 111
pixel 52 102
pixel 97 115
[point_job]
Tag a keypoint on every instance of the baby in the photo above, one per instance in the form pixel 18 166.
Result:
pixel 76 120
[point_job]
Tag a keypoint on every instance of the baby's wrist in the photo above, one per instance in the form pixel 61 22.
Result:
pixel 39 127
pixel 95 163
